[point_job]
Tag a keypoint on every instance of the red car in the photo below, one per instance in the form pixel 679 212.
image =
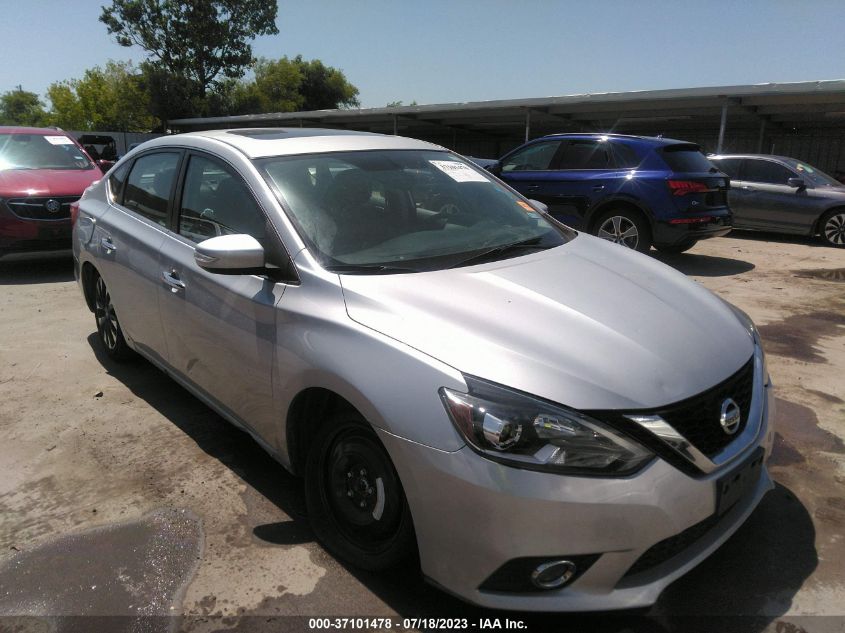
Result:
pixel 42 170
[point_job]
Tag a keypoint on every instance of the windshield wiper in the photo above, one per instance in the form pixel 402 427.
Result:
pixel 352 269
pixel 497 251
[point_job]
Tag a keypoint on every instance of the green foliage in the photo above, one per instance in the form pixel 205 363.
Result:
pixel 324 87
pixel 396 104
pixel 20 107
pixel 201 40
pixel 110 98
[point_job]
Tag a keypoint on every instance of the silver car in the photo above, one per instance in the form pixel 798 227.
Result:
pixel 552 421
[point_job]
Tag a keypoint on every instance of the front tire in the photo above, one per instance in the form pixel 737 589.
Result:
pixel 108 327
pixel 625 227
pixel 673 249
pixel 832 228
pixel 356 504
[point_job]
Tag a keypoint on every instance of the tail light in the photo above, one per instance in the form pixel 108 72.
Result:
pixel 683 187
pixel 74 211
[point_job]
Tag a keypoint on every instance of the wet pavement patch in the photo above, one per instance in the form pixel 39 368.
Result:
pixel 796 336
pixel 823 274
pixel 111 578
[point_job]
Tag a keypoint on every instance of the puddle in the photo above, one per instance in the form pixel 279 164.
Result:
pixel 796 335
pixel 824 274
pixel 798 431
pixel 122 574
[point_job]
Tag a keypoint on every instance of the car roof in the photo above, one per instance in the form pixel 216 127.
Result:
pixel 769 156
pixel 20 129
pixel 267 142
pixel 656 140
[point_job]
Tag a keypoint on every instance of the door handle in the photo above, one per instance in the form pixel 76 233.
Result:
pixel 172 279
pixel 532 187
pixel 747 188
pixel 108 245
pixel 598 187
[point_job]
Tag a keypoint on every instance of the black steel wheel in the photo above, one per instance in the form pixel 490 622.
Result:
pixel 356 504
pixel 108 327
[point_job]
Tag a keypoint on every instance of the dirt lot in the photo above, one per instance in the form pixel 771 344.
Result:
pixel 122 495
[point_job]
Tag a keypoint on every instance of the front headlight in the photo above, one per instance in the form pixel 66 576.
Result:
pixel 526 432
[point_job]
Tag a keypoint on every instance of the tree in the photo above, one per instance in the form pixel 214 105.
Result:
pixel 21 107
pixel 110 98
pixel 201 40
pixel 324 87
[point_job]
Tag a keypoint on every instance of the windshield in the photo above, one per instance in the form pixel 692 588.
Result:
pixel 405 211
pixel 813 175
pixel 40 151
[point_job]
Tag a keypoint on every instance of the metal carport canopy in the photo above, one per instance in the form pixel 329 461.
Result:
pixel 816 105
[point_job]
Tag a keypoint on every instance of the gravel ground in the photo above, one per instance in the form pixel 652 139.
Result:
pixel 123 497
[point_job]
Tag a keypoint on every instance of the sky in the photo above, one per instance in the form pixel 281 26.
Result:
pixel 444 51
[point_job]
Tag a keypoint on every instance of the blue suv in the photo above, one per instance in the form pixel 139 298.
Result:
pixel 634 190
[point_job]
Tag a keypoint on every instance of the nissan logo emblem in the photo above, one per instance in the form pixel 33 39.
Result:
pixel 53 206
pixel 730 417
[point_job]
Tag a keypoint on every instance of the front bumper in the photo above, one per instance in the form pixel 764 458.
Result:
pixel 472 516
pixel 19 235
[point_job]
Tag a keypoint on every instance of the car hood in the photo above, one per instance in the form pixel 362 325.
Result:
pixel 16 183
pixel 589 324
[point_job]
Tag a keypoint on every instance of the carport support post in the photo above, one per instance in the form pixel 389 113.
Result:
pixel 395 126
pixel 722 128
pixel 760 140
pixel 527 124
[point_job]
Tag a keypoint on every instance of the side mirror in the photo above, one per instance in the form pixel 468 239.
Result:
pixel 230 254
pixel 798 183
pixel 494 168
pixel 540 206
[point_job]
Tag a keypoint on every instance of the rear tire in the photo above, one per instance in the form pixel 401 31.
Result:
pixel 832 228
pixel 680 247
pixel 108 327
pixel 356 504
pixel 625 227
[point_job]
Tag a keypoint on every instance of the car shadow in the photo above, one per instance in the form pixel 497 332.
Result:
pixel 47 270
pixel 782 238
pixel 770 556
pixel 704 265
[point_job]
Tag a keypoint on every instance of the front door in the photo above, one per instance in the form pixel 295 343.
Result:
pixel 220 329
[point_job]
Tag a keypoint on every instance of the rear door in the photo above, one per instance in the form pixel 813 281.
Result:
pixel 767 202
pixel 220 329
pixel 128 240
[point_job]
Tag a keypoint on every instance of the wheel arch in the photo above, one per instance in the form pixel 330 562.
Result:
pixel 817 225
pixel 624 203
pixel 88 276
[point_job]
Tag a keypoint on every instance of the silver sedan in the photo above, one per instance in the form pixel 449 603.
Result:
pixel 551 421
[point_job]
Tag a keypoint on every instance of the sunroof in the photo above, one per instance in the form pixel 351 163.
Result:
pixel 275 134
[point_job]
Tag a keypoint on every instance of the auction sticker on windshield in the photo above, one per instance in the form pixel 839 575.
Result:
pixel 458 171
pixel 59 140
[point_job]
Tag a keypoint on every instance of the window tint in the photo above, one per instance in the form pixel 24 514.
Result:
pixel 149 185
pixel 766 171
pixel 117 181
pixel 534 158
pixel 686 157
pixel 41 151
pixel 626 156
pixel 215 202
pixel 586 154
pixel 730 166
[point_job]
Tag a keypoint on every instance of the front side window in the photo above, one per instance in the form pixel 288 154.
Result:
pixel 149 185
pixel 405 210
pixel 216 202
pixel 766 171
pixel 537 157
pixel 117 181
pixel 41 151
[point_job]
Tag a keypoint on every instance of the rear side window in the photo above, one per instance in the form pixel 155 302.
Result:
pixel 683 158
pixel 149 185
pixel 586 154
pixel 117 181
pixel 626 156
pixel 766 171
pixel 730 166
pixel 537 157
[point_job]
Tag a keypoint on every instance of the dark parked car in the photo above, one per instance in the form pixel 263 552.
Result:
pixel 102 148
pixel 42 170
pixel 777 193
pixel 634 190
